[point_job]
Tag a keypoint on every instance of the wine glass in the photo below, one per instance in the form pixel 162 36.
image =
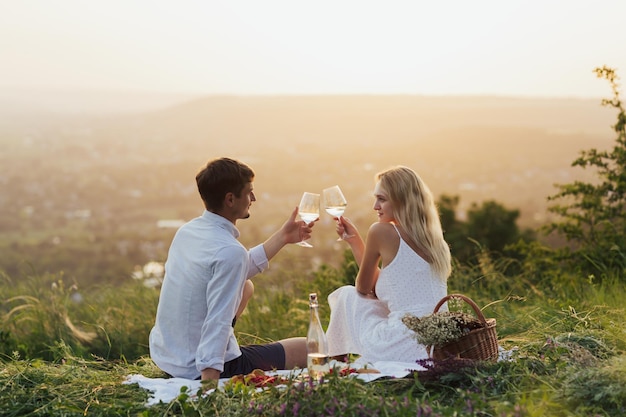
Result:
pixel 309 210
pixel 335 204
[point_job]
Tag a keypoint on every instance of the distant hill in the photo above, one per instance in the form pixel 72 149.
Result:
pixel 357 118
pixel 509 149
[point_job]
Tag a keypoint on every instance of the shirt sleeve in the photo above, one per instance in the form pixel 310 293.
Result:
pixel 258 261
pixel 223 296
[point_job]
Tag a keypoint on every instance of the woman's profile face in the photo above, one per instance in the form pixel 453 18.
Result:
pixel 382 205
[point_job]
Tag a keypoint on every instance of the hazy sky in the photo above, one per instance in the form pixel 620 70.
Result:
pixel 501 47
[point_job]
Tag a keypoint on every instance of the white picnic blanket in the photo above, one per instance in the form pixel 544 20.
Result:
pixel 167 389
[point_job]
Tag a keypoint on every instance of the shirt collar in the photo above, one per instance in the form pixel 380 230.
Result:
pixel 221 222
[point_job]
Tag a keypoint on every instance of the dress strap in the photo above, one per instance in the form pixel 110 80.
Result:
pixel 397 231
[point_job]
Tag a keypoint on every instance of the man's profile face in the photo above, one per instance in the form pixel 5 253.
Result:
pixel 244 201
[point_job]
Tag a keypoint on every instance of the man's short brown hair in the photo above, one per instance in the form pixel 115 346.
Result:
pixel 220 177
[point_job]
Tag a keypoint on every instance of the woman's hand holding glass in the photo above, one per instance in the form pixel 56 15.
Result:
pixel 335 204
pixel 345 229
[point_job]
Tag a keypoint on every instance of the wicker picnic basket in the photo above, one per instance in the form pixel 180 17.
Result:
pixel 478 344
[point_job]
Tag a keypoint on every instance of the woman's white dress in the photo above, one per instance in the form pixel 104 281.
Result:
pixel 372 327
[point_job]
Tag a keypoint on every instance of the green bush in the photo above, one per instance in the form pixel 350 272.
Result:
pixel 592 216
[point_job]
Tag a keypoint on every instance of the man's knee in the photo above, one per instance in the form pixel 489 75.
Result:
pixel 248 290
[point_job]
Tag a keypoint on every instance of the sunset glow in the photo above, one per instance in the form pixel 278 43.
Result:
pixel 491 47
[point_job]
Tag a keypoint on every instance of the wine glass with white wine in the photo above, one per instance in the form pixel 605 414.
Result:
pixel 335 204
pixel 309 210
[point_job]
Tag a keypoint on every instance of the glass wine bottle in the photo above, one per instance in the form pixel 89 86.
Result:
pixel 316 344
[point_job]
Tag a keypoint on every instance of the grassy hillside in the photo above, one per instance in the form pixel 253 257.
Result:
pixel 66 354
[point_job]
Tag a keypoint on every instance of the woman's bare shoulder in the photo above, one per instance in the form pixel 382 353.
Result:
pixel 384 238
pixel 382 232
pixel 381 227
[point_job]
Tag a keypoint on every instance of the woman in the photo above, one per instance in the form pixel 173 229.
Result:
pixel 407 241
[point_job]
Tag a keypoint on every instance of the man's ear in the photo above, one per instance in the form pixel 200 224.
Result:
pixel 229 199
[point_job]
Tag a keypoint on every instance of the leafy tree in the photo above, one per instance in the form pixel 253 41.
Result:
pixel 592 215
pixel 490 226
pixel 454 229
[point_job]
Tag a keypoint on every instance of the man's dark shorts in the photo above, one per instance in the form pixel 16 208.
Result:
pixel 265 357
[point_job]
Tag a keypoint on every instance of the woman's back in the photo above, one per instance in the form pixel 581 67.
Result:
pixel 409 284
pixel 372 327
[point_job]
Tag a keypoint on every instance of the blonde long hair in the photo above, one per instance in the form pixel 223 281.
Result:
pixel 416 213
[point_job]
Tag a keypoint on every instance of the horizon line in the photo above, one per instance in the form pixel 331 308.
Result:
pixel 190 95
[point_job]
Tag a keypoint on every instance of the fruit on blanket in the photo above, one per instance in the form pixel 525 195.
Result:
pixel 367 371
pixel 342 372
pixel 257 378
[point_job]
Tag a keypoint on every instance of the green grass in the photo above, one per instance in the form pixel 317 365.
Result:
pixel 568 340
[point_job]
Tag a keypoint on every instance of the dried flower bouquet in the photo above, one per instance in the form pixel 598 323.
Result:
pixel 438 329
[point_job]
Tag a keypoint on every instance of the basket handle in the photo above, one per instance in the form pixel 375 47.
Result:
pixel 468 300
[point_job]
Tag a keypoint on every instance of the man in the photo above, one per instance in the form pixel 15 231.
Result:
pixel 206 285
